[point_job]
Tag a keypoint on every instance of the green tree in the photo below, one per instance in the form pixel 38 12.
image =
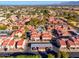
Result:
pixel 3 27
pixel 28 56
pixel 64 54
pixel 8 15
pixel 51 56
pixel 21 56
pixel 34 22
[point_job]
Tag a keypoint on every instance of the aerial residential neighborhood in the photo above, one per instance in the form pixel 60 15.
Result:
pixel 39 31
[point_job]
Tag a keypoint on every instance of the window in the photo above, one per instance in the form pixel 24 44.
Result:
pixel 64 48
pixel 72 47
pixel 32 40
pixel 45 40
pixel 77 47
pixel 38 40
pixel 34 48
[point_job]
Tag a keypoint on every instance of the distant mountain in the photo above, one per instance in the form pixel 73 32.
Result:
pixel 69 3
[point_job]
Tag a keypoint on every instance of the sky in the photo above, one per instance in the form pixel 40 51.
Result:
pixel 27 2
pixel 31 2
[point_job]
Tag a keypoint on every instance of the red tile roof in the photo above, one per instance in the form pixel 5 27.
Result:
pixel 70 42
pixel 20 42
pixel 66 33
pixel 47 35
pixel 21 30
pixel 76 42
pixel 5 42
pixel 51 19
pixel 35 35
pixel 11 43
pixel 62 42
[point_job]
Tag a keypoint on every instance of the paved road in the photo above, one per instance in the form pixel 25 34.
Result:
pixel 74 54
